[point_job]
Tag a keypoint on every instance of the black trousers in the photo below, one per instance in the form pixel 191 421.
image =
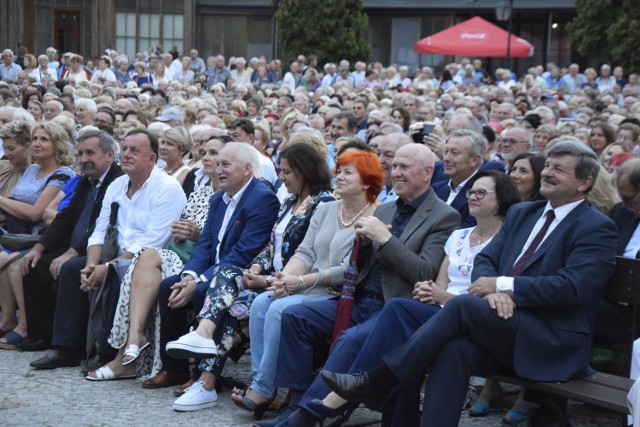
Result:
pixel 72 307
pixel 39 289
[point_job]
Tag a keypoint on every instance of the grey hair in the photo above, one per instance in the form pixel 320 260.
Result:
pixel 105 141
pixel 89 104
pixel 587 164
pixel 473 124
pixel 18 129
pixel 477 144
pixel 631 170
pixel 247 155
pixel 391 125
pixel 19 114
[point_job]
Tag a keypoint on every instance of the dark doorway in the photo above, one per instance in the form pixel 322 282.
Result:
pixel 68 28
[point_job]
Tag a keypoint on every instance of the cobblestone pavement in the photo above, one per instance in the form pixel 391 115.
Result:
pixel 62 397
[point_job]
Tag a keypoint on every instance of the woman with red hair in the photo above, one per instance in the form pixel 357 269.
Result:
pixel 314 272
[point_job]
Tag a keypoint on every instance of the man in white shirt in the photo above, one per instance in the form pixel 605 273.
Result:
pixel 9 69
pixel 149 201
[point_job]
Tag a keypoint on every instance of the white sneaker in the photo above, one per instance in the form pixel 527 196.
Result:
pixel 195 398
pixel 192 345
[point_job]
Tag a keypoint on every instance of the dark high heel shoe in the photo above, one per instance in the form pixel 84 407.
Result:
pixel 242 401
pixel 236 352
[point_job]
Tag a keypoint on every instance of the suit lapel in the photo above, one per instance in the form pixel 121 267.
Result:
pixel 522 234
pixel 556 235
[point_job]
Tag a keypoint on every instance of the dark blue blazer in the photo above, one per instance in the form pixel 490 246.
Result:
pixel 460 204
pixel 247 233
pixel 438 170
pixel 558 293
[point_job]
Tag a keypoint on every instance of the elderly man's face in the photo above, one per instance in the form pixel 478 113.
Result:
pixel 7 57
pixel 52 109
pixel 629 194
pixel 559 184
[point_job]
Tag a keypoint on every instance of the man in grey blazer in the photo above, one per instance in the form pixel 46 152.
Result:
pixel 403 243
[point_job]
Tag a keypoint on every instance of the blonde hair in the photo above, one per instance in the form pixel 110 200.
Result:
pixel 180 136
pixel 315 141
pixel 61 144
pixel 603 194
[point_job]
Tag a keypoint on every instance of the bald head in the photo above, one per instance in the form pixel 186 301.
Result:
pixel 412 171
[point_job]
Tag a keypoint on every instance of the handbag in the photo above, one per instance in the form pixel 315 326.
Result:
pixel 110 246
pixel 18 241
pixel 182 249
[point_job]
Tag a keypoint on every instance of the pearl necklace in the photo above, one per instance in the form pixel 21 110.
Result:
pixel 346 224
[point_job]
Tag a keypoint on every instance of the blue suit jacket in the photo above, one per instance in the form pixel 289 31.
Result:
pixel 460 204
pixel 558 293
pixel 247 233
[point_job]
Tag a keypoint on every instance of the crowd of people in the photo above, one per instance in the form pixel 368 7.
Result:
pixel 374 224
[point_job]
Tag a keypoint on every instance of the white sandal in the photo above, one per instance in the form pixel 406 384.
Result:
pixel 134 351
pixel 106 374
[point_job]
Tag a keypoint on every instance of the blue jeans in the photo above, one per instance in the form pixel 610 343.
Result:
pixel 264 329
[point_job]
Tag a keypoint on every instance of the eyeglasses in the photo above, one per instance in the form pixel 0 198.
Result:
pixel 200 141
pixel 397 117
pixel 509 141
pixel 627 199
pixel 478 194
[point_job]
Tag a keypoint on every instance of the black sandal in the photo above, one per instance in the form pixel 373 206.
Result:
pixel 239 349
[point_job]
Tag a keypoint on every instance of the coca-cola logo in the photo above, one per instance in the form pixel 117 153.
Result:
pixel 474 36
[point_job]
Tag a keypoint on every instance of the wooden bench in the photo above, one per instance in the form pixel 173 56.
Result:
pixel 601 389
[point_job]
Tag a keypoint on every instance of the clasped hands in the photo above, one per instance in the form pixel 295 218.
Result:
pixel 427 292
pixel 185 230
pixel 501 302
pixel 91 276
pixel 284 284
pixel 182 291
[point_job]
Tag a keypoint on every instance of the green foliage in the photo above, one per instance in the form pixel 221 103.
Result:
pixel 589 28
pixel 607 30
pixel 331 29
pixel 623 35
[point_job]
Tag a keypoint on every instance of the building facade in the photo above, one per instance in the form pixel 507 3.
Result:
pixel 247 27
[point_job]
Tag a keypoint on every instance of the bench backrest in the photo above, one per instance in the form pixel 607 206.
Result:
pixel 624 287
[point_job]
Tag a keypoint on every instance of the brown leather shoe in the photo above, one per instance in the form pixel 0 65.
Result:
pixel 179 391
pixel 166 379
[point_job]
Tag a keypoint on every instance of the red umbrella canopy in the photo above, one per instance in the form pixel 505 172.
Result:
pixel 475 37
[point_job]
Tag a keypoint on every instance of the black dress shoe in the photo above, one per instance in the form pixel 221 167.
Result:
pixel 352 387
pixel 34 344
pixel 57 358
pixel 282 416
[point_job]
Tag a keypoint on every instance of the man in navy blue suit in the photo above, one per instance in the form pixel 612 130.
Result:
pixel 463 153
pixel 532 303
pixel 239 224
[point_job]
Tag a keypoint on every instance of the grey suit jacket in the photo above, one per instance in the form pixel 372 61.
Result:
pixel 417 254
